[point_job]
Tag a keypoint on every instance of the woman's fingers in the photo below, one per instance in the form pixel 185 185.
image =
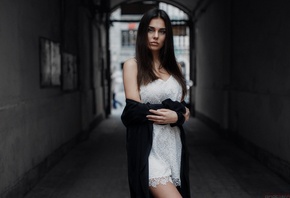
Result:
pixel 159 111
pixel 162 116
pixel 187 114
pixel 156 118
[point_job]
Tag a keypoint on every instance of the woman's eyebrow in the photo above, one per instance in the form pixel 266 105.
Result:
pixel 155 28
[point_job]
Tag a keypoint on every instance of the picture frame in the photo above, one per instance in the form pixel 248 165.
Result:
pixel 69 72
pixel 50 63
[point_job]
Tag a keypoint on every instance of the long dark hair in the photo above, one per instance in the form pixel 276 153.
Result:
pixel 167 57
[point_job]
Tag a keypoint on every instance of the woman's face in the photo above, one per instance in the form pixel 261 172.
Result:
pixel 156 34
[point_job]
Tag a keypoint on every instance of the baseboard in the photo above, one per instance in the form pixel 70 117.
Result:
pixel 274 163
pixel 33 176
pixel 86 133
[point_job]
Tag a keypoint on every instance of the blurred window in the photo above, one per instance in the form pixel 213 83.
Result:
pixel 129 38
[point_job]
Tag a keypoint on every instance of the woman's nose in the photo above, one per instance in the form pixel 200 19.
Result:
pixel 156 34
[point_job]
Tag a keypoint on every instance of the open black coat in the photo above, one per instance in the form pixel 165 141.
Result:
pixel 139 143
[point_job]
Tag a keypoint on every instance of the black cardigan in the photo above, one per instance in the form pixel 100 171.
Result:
pixel 139 143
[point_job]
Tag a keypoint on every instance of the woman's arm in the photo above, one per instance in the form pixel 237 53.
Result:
pixel 187 114
pixel 130 80
pixel 174 113
pixel 162 116
pixel 136 113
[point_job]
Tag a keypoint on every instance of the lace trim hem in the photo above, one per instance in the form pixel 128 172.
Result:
pixel 164 180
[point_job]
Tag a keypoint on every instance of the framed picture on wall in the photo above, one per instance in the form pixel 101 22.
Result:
pixel 50 63
pixel 69 72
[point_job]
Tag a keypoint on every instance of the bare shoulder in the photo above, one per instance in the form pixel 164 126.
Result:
pixel 130 66
pixel 131 63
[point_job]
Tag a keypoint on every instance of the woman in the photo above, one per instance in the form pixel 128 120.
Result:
pixel 154 113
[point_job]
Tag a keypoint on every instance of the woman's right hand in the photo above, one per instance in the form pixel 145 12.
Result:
pixel 163 116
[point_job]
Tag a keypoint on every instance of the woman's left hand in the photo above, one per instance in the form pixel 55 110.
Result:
pixel 163 116
pixel 187 114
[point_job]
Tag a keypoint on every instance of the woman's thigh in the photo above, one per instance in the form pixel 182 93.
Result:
pixel 165 191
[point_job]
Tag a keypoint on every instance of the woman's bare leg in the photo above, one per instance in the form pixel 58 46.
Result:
pixel 165 191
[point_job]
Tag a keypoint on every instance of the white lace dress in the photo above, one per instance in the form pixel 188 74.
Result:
pixel 165 156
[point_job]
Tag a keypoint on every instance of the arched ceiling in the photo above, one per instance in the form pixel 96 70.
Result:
pixel 188 6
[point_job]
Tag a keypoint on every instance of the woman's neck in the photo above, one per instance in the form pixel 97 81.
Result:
pixel 156 62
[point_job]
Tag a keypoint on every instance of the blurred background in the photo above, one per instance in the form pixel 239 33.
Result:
pixel 61 76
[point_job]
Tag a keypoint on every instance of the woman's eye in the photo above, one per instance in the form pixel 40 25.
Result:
pixel 162 32
pixel 150 30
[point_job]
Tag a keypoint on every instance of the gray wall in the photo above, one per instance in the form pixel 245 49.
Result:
pixel 243 71
pixel 39 125
pixel 212 32
pixel 260 102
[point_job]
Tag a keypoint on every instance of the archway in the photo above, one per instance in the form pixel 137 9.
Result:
pixel 124 21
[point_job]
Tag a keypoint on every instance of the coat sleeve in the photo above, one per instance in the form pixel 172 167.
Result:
pixel 139 140
pixel 178 107
pixel 136 112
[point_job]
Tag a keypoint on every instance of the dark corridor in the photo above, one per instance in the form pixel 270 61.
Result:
pixel 218 168
pixel 60 137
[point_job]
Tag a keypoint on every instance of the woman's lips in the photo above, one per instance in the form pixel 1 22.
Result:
pixel 154 43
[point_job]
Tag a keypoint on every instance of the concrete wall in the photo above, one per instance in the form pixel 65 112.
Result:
pixel 243 71
pixel 90 72
pixel 39 125
pixel 212 31
pixel 260 102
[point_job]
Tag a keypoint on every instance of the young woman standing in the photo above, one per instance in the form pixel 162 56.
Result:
pixel 154 113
